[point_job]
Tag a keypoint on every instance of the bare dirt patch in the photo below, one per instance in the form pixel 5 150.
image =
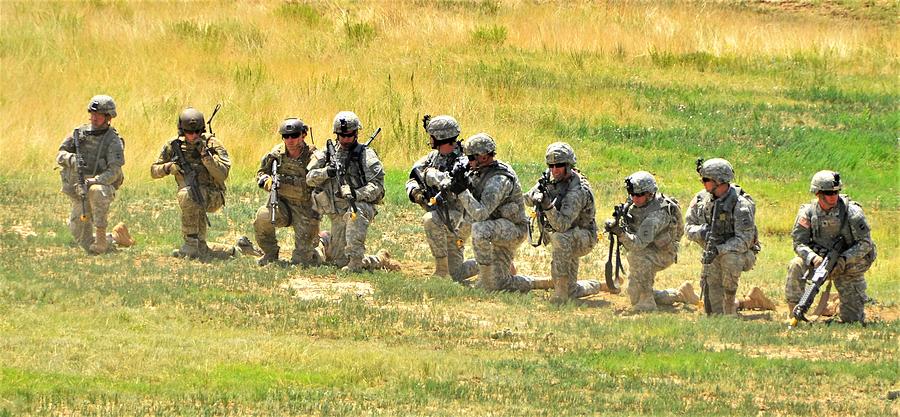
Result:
pixel 307 289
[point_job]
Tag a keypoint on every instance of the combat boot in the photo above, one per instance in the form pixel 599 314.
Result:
pixel 267 258
pixel 355 265
pixel 542 284
pixel 246 246
pixel 387 262
pixel 441 267
pixel 560 291
pixel 686 294
pixel 791 307
pixel 486 279
pixel 100 245
pixel 121 236
pixel 645 302
pixel 756 300
pixel 728 305
pixel 189 249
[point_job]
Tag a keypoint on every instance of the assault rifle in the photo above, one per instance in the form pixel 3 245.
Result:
pixel 539 218
pixel 619 212
pixel 435 197
pixel 709 255
pixel 79 169
pixel 211 117
pixel 815 278
pixel 189 173
pixel 340 170
pixel 273 192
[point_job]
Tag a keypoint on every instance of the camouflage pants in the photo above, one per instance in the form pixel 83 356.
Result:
pixel 644 264
pixel 348 238
pixel 851 289
pixel 99 198
pixel 443 243
pixel 567 249
pixel 305 222
pixel 721 278
pixel 494 243
pixel 194 226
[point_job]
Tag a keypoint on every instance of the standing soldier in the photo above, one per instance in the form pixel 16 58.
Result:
pixel 565 201
pixel 446 229
pixel 832 222
pixel 492 198
pixel 349 181
pixel 721 219
pixel 200 165
pixel 285 169
pixel 91 161
pixel 650 228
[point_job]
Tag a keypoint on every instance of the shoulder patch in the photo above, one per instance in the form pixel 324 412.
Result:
pixel 803 222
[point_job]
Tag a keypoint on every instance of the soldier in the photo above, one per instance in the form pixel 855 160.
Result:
pixel 730 240
pixel 650 229
pixel 566 201
pixel 822 224
pixel 294 201
pixel 446 229
pixel 200 165
pixel 91 161
pixel 349 184
pixel 492 198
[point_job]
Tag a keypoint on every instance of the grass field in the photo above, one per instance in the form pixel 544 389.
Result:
pixel 781 89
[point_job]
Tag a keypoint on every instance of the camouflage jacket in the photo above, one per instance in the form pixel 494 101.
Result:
pixel 212 169
pixel 655 226
pixel 364 173
pixel 735 227
pixel 576 208
pixel 817 230
pixel 495 193
pixel 434 168
pixel 291 172
pixel 103 153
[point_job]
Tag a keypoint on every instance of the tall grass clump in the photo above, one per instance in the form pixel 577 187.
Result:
pixel 493 35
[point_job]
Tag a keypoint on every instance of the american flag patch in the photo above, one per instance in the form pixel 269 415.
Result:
pixel 803 222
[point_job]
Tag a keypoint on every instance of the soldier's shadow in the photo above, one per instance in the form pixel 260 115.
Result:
pixel 593 303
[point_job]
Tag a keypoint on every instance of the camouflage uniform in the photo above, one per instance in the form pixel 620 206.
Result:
pixel 737 253
pixel 212 168
pixel 817 230
pixel 443 242
pixel 365 175
pixel 650 235
pixel 294 207
pixel 496 208
pixel 103 154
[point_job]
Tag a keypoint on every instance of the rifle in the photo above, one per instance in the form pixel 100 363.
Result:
pixel 538 217
pixel 213 115
pixel 273 192
pixel 436 201
pixel 79 166
pixel 341 170
pixel 190 176
pixel 815 278
pixel 619 212
pixel 707 258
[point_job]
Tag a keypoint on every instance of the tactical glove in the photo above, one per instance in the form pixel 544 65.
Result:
pixel 171 168
pixel 265 182
pixel 417 196
pixel 331 172
pixel 346 192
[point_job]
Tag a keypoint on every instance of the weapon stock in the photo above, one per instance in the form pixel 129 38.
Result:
pixel 618 214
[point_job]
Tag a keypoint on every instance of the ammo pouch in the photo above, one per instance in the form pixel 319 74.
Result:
pixel 322 202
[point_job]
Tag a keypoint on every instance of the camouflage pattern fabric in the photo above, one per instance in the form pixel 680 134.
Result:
pixel 348 235
pixel 441 241
pixel 816 227
pixel 648 239
pixel 737 252
pixel 495 206
pixel 294 207
pixel 212 171
pixel 103 154
pixel 572 233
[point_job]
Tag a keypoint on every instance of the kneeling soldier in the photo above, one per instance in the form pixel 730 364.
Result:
pixel 290 203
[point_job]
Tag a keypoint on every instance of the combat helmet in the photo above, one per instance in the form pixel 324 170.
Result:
pixel 346 122
pixel 443 128
pixel 191 120
pixel 826 181
pixel 560 153
pixel 292 126
pixel 717 169
pixel 480 144
pixel 641 182
pixel 102 104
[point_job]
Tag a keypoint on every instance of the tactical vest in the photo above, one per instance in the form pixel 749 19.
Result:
pixel 192 157
pixel 94 149
pixel 671 235
pixel 512 207
pixel 725 223
pixel 587 218
pixel 292 172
